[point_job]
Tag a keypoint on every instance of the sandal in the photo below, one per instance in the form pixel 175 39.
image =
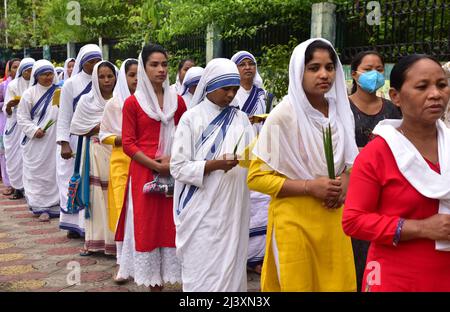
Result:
pixel 85 253
pixel 17 195
pixel 8 191
pixel 119 281
pixel 44 217
pixel 73 235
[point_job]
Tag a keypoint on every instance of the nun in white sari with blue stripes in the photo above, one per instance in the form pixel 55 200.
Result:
pixel 254 100
pixel 13 134
pixel 190 83
pixel 211 201
pixel 35 112
pixel 77 85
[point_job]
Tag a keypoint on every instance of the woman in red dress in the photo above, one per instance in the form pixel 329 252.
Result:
pixel 146 230
pixel 399 192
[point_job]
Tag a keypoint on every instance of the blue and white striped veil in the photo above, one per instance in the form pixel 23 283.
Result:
pixel 242 55
pixel 87 53
pixel 22 84
pixel 42 67
pixel 219 73
pixel 192 78
pixel 25 64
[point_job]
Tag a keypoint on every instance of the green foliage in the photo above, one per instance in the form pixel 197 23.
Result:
pixel 176 57
pixel 274 67
pixel 235 17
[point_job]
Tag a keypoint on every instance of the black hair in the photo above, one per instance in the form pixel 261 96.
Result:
pixel 128 65
pixel 319 45
pixel 14 60
pixel 182 62
pixel 109 65
pixel 398 73
pixel 150 49
pixel 357 60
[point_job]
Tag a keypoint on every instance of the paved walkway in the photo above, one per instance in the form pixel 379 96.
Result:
pixel 34 256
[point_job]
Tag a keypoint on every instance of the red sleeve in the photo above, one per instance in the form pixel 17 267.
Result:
pixel 129 127
pixel 361 218
pixel 180 110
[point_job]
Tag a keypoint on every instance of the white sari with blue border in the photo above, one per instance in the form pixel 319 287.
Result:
pixel 211 211
pixel 39 164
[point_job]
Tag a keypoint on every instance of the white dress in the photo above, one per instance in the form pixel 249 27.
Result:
pixel 64 168
pixel 13 134
pixel 39 165
pixel 259 202
pixel 211 227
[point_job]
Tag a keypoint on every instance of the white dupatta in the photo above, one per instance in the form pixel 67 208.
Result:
pixel 89 111
pixel 146 97
pixel 291 140
pixel 65 75
pixel 416 170
pixel 112 116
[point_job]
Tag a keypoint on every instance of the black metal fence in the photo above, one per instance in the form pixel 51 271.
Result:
pixel 187 46
pixel 184 46
pixel 273 35
pixel 405 27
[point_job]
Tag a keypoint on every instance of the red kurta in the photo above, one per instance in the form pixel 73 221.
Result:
pixel 153 213
pixel 378 195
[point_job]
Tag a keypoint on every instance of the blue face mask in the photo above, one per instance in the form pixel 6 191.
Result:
pixel 371 81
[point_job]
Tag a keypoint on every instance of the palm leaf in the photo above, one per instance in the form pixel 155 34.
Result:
pixel 237 144
pixel 328 149
pixel 50 123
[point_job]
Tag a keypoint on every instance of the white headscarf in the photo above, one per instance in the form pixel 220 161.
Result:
pixel 121 91
pixel 89 111
pixel 59 73
pixel 416 170
pixel 192 78
pixel 112 115
pixel 66 65
pixel 41 67
pixel 146 97
pixel 87 52
pixel 293 130
pixel 242 55
pixel 22 84
pixel 213 79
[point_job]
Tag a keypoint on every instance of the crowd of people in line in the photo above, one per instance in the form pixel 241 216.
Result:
pixel 200 181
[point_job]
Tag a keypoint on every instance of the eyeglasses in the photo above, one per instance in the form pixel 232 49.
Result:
pixel 249 64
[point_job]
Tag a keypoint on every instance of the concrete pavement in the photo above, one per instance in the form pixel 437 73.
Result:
pixel 34 256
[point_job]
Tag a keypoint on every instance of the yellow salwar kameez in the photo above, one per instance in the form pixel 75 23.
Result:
pixel 313 252
pixel 118 175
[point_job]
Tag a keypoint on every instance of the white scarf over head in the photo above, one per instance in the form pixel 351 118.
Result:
pixel 87 52
pixel 112 115
pixel 213 79
pixel 41 67
pixel 121 91
pixel 291 140
pixel 60 73
pixel 192 78
pixel 242 55
pixel 416 170
pixel 146 97
pixel 22 84
pixel 89 111
pixel 65 75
